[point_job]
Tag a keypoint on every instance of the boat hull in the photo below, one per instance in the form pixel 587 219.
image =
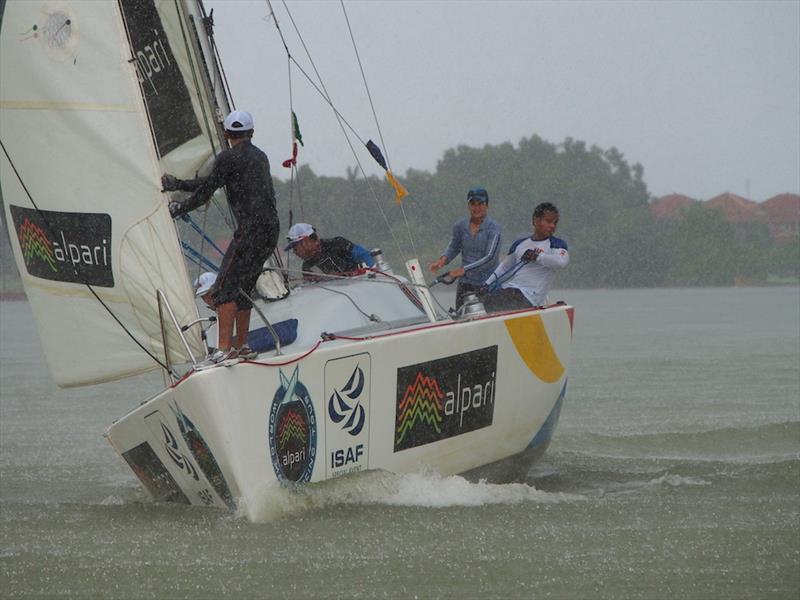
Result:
pixel 451 397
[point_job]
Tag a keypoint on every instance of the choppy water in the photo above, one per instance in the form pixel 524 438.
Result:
pixel 674 473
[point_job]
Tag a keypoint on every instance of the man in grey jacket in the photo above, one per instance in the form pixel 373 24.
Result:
pixel 477 239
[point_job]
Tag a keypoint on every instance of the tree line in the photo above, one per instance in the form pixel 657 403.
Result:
pixel 613 238
pixel 605 216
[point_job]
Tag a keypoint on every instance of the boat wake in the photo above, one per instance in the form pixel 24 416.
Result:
pixel 429 490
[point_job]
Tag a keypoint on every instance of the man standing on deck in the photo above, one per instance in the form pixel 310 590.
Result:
pixel 332 255
pixel 525 276
pixel 244 170
pixel 478 240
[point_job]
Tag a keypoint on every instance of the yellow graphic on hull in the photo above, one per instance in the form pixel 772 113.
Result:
pixel 533 345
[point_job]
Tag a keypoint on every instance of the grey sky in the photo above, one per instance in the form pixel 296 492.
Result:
pixel 705 95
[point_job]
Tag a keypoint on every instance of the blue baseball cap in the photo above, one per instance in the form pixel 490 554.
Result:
pixel 479 194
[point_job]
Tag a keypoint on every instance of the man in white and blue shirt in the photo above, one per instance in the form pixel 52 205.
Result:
pixel 477 239
pixel 526 275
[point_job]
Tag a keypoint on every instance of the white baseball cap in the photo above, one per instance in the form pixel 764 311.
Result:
pixel 203 283
pixel 297 232
pixel 238 120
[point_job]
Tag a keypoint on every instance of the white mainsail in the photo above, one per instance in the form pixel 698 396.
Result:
pixel 97 99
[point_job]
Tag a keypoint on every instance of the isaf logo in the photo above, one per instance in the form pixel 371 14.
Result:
pixel 442 398
pixel 65 246
pixel 292 430
pixel 345 403
pixel 347 393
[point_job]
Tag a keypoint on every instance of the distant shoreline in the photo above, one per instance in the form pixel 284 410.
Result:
pixel 20 296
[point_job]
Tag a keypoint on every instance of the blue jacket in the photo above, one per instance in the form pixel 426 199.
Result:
pixel 478 253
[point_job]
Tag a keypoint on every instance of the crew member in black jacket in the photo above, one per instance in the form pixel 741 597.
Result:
pixel 244 171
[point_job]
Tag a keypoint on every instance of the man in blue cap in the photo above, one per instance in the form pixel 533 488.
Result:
pixel 477 239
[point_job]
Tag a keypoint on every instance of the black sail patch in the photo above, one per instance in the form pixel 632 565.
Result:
pixel 65 246
pixel 168 102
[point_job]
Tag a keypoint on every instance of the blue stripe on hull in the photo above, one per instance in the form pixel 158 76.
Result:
pixel 545 433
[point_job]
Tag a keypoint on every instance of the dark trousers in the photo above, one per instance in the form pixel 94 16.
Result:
pixel 505 299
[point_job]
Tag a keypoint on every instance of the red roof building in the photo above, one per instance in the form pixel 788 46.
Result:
pixel 783 216
pixel 737 209
pixel 670 206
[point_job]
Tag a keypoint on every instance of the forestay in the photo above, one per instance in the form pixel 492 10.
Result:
pixel 97 99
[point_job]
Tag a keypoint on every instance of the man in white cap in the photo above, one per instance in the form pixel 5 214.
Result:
pixel 244 171
pixel 203 288
pixel 332 255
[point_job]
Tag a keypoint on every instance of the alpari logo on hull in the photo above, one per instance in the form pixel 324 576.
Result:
pixel 65 246
pixel 445 397
pixel 292 430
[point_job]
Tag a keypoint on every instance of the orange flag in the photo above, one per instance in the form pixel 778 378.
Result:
pixel 399 191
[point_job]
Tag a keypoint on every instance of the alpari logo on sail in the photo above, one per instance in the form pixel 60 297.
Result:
pixel 292 430
pixel 68 247
pixel 169 104
pixel 445 397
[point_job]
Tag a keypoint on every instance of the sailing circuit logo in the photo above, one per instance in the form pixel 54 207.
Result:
pixel 65 246
pixel 446 397
pixel 292 430
pixel 202 454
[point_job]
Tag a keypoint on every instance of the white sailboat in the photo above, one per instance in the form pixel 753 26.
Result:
pixel 97 100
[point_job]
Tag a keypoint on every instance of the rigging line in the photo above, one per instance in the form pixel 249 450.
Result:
pixel 373 318
pixel 201 231
pixel 340 120
pixel 293 169
pixel 202 236
pixel 366 86
pixel 377 122
pixel 408 228
pixel 208 25
pixel 198 90
pixel 274 18
pixel 330 276
pixel 78 273
pixel 193 261
pixel 498 281
pixel 322 93
pixel 189 251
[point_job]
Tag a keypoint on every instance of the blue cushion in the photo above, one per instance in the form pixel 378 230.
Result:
pixel 261 340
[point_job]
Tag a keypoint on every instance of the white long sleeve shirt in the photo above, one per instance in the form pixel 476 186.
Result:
pixel 534 279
